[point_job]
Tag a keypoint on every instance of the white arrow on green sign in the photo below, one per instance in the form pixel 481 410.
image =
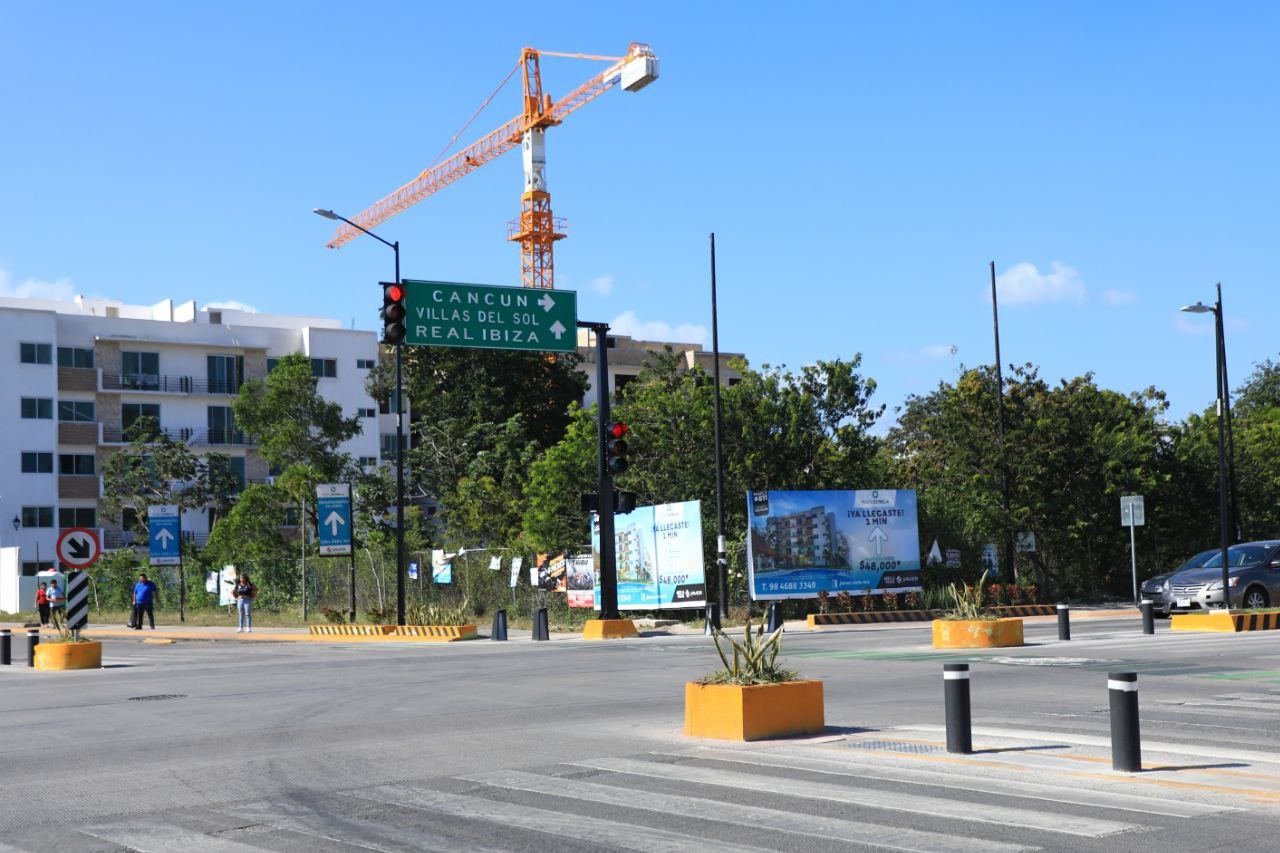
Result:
pixel 485 316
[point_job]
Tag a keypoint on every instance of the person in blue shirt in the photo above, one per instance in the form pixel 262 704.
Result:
pixel 144 595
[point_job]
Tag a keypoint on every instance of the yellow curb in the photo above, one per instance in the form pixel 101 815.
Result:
pixel 1220 621
pixel 159 641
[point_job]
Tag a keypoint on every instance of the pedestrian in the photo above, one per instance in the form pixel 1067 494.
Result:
pixel 42 604
pixel 57 606
pixel 144 595
pixel 244 593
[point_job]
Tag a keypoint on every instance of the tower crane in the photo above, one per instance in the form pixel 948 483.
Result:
pixel 537 229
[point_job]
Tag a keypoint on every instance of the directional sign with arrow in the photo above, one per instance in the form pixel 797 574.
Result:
pixel 333 509
pixel 164 534
pixel 78 547
pixel 447 314
pixel 878 536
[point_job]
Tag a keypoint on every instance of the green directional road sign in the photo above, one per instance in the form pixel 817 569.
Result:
pixel 448 314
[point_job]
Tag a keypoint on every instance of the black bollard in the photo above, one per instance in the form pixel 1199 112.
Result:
pixel 955 689
pixel 499 630
pixel 1126 746
pixel 1148 609
pixel 6 646
pixel 1064 622
pixel 775 617
pixel 713 618
pixel 33 640
pixel 541 628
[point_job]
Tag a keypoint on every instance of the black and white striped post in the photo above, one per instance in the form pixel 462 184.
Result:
pixel 775 617
pixel 1126 745
pixel 1148 616
pixel 6 647
pixel 78 603
pixel 33 640
pixel 955 689
pixel 712 623
pixel 1064 622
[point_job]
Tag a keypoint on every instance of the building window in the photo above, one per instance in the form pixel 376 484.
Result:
pixel 365 364
pixel 75 411
pixel 37 463
pixel 388 445
pixel 291 516
pixel 733 380
pixel 368 461
pixel 366 413
pixel 31 568
pixel 384 406
pixel 215 318
pixel 77 516
pixel 234 465
pixel 37 516
pixel 38 408
pixel 75 357
pixel 222 426
pixel 131 413
pixel 36 353
pixel 610 343
pixel 225 373
pixel 622 380
pixel 324 368
pixel 141 369
pixel 75 465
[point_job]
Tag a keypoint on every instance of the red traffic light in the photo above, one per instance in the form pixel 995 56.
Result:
pixel 395 292
pixel 618 429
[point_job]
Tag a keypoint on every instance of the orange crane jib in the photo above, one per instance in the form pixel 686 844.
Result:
pixel 537 229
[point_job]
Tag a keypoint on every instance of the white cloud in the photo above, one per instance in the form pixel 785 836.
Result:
pixel 1119 297
pixel 34 289
pixel 602 284
pixel 232 305
pixel 1023 284
pixel 627 323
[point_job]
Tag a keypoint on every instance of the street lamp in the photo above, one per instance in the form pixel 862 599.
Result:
pixel 395 247
pixel 1220 358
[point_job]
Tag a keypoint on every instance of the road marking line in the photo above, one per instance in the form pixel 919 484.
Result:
pixel 375 835
pixel 800 758
pixel 1270 797
pixel 893 801
pixel 854 832
pixel 154 836
pixel 605 833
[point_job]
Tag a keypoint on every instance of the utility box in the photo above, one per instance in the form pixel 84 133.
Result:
pixel 639 72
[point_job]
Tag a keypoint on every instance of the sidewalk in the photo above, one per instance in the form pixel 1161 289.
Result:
pixel 175 632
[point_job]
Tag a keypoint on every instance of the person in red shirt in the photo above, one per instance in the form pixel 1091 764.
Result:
pixel 42 604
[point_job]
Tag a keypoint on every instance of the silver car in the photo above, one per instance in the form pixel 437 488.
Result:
pixel 1253 577
pixel 1158 591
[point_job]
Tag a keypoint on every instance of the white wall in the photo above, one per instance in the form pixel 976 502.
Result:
pixel 17 434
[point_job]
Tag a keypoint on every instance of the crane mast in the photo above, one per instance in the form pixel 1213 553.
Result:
pixel 537 229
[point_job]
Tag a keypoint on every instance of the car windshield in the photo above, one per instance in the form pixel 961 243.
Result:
pixel 1199 560
pixel 1240 555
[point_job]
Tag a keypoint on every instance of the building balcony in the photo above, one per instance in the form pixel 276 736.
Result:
pixel 133 383
pixel 187 435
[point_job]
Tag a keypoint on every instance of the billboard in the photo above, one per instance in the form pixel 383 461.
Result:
pixel 855 541
pixel 659 557
pixel 582 581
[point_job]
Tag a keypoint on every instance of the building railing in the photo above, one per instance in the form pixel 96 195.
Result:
pixel 168 384
pixel 186 435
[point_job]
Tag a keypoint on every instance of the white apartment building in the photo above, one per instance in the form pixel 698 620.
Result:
pixel 628 356
pixel 75 375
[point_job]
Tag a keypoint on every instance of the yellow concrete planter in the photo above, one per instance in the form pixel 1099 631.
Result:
pixel 51 657
pixel 609 629
pixel 732 712
pixel 1225 622
pixel 976 634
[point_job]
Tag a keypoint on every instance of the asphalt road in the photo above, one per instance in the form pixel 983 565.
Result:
pixel 569 745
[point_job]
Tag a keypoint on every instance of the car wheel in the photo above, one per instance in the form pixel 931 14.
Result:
pixel 1255 598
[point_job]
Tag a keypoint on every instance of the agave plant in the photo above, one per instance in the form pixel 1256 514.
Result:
pixel 438 614
pixel 754 659
pixel 966 601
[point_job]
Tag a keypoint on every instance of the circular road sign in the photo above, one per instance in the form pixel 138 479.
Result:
pixel 78 547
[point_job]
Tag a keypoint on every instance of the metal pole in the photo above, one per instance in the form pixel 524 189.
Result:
pixel 33 640
pixel 604 480
pixel 1004 463
pixel 304 529
pixel 352 554
pixel 1223 522
pixel 1148 616
pixel 1064 622
pixel 722 560
pixel 1133 555
pixel 955 690
pixel 6 647
pixel 400 567
pixel 1233 493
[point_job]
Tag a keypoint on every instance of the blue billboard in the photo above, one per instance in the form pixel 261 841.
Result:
pixel 659 557
pixel 800 543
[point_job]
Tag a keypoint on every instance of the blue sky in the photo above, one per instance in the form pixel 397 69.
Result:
pixel 859 163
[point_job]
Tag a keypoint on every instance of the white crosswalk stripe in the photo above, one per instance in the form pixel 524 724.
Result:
pixel 856 832
pixel 154 835
pixel 916 804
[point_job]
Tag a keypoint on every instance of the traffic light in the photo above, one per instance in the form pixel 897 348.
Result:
pixel 393 313
pixel 615 449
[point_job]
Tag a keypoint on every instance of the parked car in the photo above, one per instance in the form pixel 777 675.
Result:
pixel 1156 588
pixel 1253 578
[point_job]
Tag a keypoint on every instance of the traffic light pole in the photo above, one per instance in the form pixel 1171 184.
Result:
pixel 604 479
pixel 399 465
